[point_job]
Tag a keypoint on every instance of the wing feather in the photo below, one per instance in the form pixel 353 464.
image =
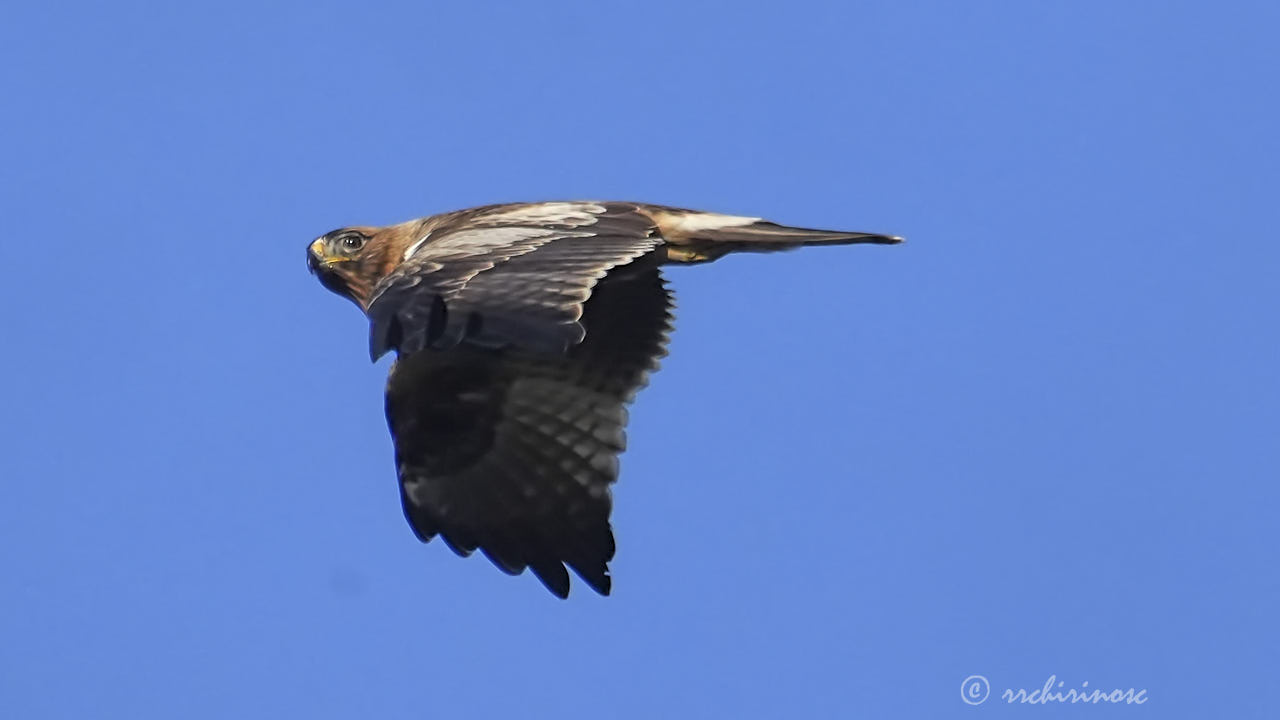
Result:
pixel 505 275
pixel 513 451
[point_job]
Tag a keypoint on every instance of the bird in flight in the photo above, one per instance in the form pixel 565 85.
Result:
pixel 521 333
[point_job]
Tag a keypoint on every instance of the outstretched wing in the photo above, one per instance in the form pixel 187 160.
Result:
pixel 521 333
pixel 505 275
pixel 512 450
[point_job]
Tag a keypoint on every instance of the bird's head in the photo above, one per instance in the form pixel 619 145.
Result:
pixel 348 261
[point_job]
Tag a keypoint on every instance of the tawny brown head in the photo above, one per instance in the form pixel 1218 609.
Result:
pixel 350 261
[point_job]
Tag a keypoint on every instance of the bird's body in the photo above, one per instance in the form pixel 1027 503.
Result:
pixel 521 333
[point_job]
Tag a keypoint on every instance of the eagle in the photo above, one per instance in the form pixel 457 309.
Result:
pixel 522 331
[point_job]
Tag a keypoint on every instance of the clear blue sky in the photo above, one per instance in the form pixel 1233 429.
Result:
pixel 1038 439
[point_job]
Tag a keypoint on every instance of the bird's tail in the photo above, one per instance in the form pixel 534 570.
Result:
pixel 695 237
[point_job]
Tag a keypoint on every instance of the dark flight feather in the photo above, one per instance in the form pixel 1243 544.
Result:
pixel 513 450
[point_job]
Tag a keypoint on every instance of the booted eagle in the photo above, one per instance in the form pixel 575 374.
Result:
pixel 521 333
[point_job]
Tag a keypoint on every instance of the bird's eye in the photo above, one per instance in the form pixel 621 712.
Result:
pixel 351 243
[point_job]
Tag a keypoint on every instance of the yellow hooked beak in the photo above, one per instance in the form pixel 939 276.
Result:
pixel 317 252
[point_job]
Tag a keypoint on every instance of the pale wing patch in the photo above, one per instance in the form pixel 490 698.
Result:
pixel 467 253
pixel 414 247
pixel 506 242
pixel 699 222
pixel 683 226
pixel 565 214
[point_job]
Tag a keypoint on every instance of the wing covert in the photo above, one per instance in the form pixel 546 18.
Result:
pixel 505 275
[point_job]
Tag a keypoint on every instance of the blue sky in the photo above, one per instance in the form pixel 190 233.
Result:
pixel 1038 439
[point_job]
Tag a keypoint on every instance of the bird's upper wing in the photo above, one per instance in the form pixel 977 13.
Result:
pixel 505 275
pixel 512 450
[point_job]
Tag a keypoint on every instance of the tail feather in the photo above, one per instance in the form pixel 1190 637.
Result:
pixel 694 237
